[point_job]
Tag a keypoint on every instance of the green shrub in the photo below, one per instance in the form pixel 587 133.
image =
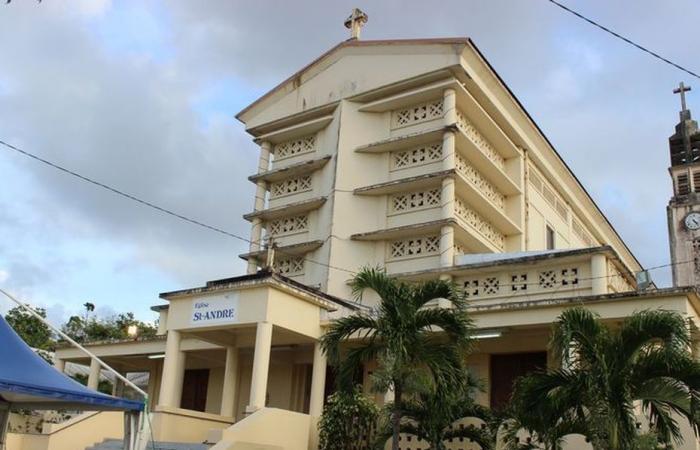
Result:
pixel 348 421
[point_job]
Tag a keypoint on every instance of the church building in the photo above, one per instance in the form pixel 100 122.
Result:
pixel 415 156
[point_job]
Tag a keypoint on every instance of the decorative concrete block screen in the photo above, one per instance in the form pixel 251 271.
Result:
pixel 483 227
pixel 479 140
pixel 290 266
pixel 290 186
pixel 414 247
pixel 414 201
pixel 477 180
pixel 523 283
pixel 288 225
pixel 414 114
pixel 419 156
pixel 295 147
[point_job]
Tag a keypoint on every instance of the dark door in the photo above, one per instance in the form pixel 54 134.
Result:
pixel 194 389
pixel 505 369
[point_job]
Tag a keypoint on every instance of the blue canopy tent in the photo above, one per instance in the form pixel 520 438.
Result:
pixel 29 382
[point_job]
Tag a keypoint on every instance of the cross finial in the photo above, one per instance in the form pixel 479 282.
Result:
pixel 355 22
pixel 682 89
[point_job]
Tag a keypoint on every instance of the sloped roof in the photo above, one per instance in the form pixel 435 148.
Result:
pixel 347 44
pixel 27 381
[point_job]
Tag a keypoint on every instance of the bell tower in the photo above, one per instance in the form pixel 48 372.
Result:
pixel 683 209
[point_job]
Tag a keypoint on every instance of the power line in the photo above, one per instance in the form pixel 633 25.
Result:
pixel 629 41
pixel 149 204
pixel 217 229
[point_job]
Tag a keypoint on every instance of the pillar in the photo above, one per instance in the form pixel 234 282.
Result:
pixel 260 191
pixel 154 376
pixel 449 106
pixel 228 394
pixel 59 364
pixel 447 197
pixel 317 394
pixel 599 274
pixel 261 366
pixel 173 371
pixel 318 381
pixel 94 377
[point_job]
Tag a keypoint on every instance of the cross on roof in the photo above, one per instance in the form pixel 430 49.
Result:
pixel 355 22
pixel 682 89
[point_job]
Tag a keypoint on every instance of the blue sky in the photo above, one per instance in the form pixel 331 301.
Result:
pixel 141 95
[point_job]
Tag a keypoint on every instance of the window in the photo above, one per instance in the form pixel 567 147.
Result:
pixel 696 181
pixel 550 238
pixel 682 184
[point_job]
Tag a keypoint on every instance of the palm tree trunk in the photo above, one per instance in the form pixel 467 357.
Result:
pixel 396 416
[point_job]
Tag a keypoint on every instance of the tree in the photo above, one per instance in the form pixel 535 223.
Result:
pixel 32 330
pixel 110 329
pixel 431 415
pixel 605 372
pixel 401 335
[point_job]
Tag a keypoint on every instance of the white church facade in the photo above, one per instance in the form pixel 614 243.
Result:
pixel 412 155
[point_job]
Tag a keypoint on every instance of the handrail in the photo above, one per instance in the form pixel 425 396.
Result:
pixel 75 344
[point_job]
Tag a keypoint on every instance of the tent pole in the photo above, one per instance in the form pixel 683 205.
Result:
pixel 75 344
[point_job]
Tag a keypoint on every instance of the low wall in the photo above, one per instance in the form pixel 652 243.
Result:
pixel 269 429
pixel 79 432
pixel 182 425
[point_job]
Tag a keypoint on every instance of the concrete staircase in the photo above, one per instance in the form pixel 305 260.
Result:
pixel 117 444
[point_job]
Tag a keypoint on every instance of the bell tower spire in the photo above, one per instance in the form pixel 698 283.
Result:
pixel 683 210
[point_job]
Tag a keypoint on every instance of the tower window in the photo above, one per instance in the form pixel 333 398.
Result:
pixel 696 181
pixel 682 186
pixel 550 238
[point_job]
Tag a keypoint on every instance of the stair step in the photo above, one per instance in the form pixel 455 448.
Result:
pixel 117 444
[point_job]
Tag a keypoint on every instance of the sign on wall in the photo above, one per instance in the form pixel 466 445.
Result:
pixel 215 310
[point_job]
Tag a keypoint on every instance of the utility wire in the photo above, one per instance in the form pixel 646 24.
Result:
pixel 149 204
pixel 224 232
pixel 629 41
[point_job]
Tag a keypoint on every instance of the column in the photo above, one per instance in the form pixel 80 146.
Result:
pixel 599 274
pixel 94 377
pixel 317 394
pixel 59 364
pixel 228 394
pixel 153 389
pixel 173 371
pixel 449 106
pixel 318 381
pixel 447 198
pixel 260 191
pixel 261 366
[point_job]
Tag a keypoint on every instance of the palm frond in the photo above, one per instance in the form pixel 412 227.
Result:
pixel 376 279
pixel 456 324
pixel 653 327
pixel 344 329
pixel 576 336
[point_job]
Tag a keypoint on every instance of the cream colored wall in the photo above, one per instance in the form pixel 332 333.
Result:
pixel 214 390
pixel 267 429
pixel 283 388
pixel 252 307
pixel 80 432
pixel 180 425
pixel 352 71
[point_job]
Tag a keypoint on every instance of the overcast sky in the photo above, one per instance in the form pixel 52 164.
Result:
pixel 141 95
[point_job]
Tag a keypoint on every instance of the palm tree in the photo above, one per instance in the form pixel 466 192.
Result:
pixel 605 372
pixel 432 413
pixel 403 334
